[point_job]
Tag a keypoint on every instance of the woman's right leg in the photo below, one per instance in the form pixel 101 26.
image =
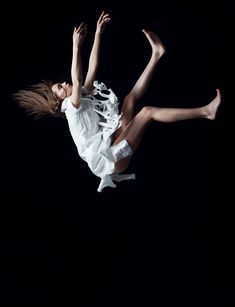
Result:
pixel 134 131
pixel 143 82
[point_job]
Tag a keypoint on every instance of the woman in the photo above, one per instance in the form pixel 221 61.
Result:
pixel 105 139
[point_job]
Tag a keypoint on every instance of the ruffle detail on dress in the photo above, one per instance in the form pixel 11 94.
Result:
pixel 116 153
pixel 106 108
pixel 107 181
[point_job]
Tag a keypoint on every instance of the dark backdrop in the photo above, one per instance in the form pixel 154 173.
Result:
pixel 164 238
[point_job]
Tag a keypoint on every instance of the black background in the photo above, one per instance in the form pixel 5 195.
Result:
pixel 166 237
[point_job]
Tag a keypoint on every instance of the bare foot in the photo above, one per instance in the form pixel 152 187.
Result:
pixel 212 107
pixel 157 46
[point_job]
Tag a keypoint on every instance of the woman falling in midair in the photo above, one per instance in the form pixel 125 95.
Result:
pixel 105 138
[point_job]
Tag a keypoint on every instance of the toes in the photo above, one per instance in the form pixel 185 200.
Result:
pixel 218 94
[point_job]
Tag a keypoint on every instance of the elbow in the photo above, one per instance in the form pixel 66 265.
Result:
pixel 78 82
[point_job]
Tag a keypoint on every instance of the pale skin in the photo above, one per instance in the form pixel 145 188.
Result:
pixel 64 90
pixel 133 126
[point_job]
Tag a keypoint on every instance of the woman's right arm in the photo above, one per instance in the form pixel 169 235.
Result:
pixel 76 67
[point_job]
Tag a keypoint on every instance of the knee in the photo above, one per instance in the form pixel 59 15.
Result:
pixel 147 112
pixel 129 99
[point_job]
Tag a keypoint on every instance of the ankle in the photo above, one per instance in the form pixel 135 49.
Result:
pixel 206 112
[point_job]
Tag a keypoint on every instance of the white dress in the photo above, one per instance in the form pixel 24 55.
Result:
pixel 91 126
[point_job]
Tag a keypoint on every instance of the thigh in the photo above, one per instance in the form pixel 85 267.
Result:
pixel 133 132
pixel 127 111
pixel 122 164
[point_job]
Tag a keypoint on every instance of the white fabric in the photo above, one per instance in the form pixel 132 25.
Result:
pixel 91 126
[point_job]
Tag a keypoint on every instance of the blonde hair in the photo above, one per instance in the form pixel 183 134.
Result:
pixel 39 100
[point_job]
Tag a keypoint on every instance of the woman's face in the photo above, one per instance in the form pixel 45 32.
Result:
pixel 62 90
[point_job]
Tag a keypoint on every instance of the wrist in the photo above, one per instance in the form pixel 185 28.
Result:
pixel 98 33
pixel 76 47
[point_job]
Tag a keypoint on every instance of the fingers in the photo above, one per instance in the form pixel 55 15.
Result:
pixel 81 29
pixel 104 17
pixel 101 15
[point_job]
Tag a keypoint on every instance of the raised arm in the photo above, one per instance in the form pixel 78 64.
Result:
pixel 95 51
pixel 76 67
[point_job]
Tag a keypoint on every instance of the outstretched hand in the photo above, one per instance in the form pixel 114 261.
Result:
pixel 102 21
pixel 79 34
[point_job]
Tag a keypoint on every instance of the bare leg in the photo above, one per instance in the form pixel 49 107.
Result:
pixel 134 131
pixel 143 82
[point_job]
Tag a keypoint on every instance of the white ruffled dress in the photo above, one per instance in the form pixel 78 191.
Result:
pixel 91 126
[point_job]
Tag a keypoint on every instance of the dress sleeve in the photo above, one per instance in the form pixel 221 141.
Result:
pixel 69 108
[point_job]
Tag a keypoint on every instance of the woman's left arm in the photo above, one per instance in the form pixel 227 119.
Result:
pixel 95 52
